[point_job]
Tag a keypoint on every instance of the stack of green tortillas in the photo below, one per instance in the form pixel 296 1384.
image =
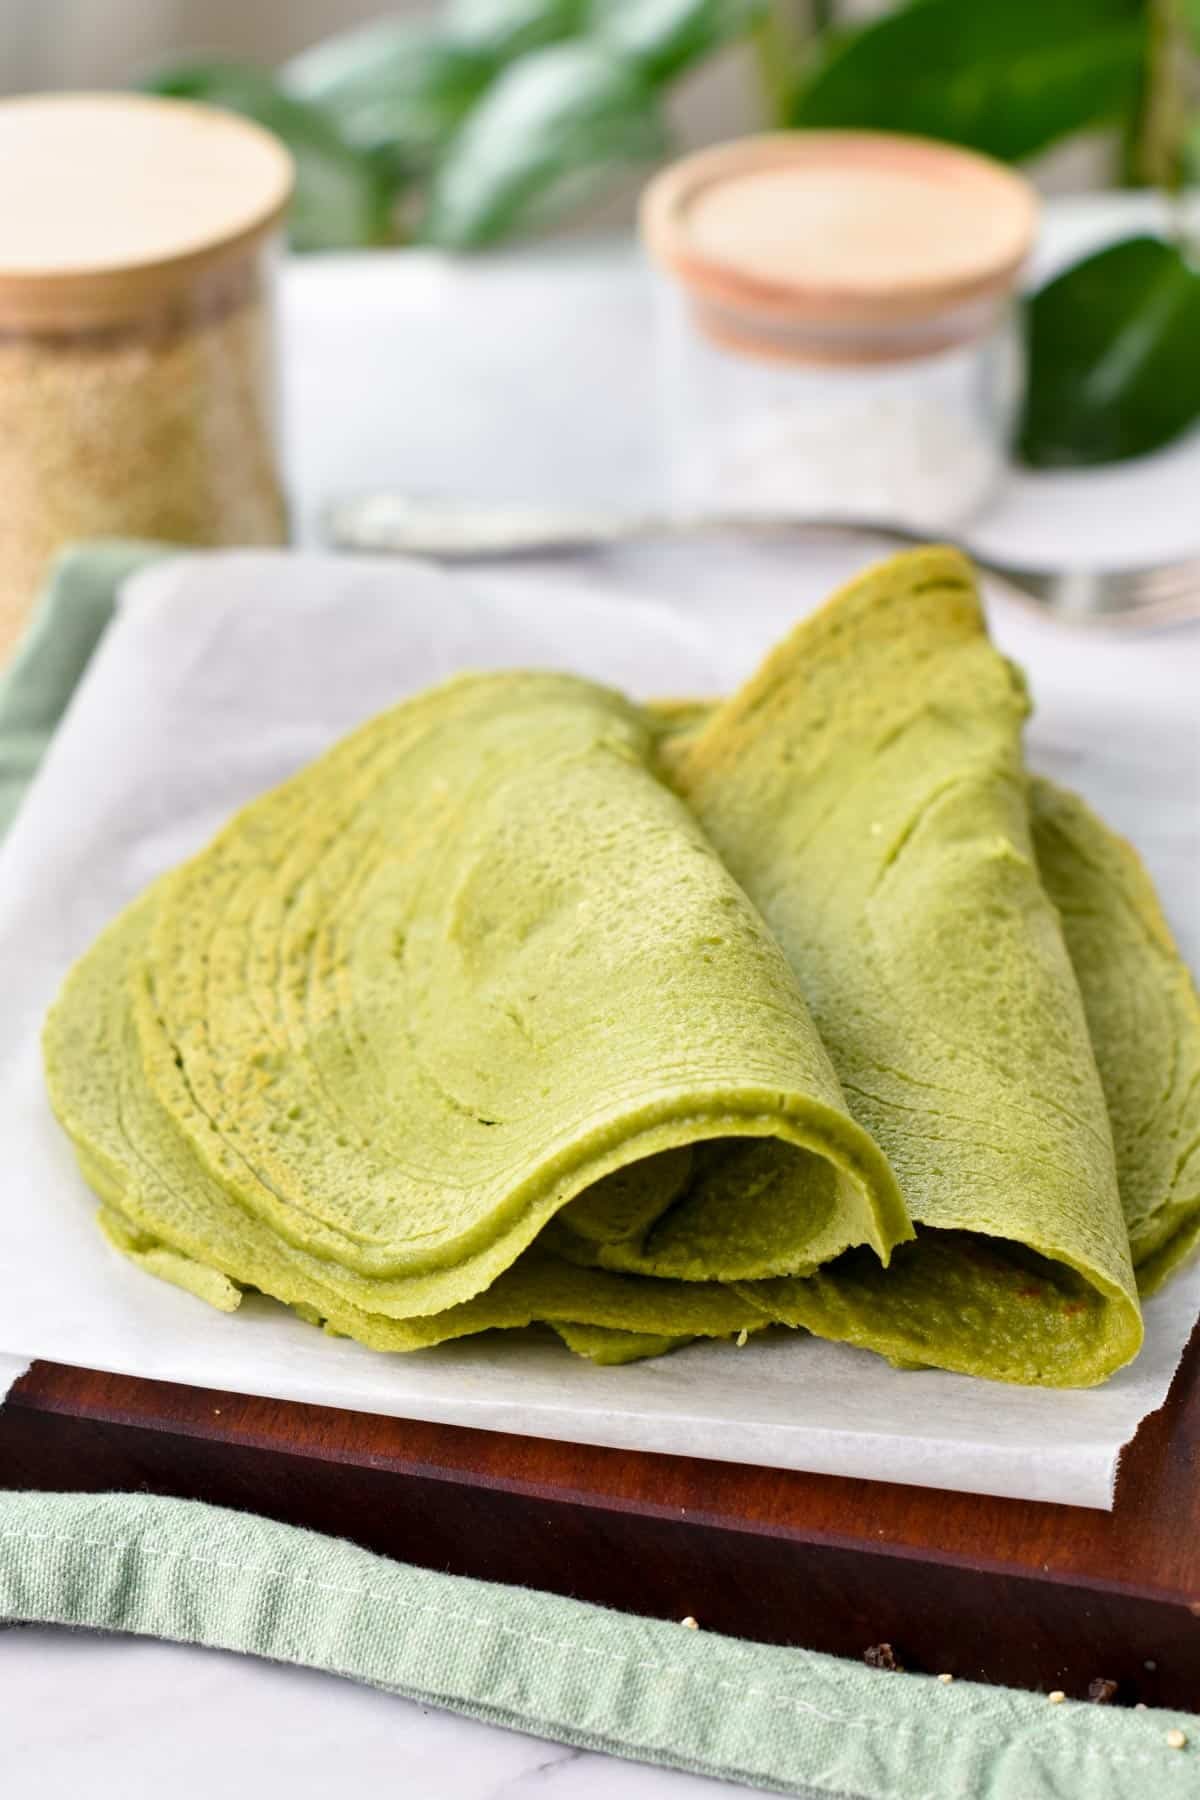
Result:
pixel 524 1005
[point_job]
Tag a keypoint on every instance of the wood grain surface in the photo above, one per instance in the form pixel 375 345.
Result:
pixel 997 1590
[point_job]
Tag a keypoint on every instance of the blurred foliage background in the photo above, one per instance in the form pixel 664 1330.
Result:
pixel 490 119
pixel 486 121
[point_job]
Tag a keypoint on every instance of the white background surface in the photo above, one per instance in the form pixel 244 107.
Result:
pixel 405 373
pixel 106 1718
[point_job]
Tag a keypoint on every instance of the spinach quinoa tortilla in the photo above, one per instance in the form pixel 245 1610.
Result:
pixel 526 1005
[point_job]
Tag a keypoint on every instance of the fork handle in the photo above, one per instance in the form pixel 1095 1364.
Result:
pixel 403 525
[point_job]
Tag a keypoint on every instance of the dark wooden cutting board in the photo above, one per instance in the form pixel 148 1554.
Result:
pixel 1014 1591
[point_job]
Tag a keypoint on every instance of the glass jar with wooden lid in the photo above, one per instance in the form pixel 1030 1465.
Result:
pixel 838 330
pixel 137 369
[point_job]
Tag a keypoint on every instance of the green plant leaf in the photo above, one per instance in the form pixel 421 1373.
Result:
pixel 392 87
pixel 1114 357
pixel 1003 76
pixel 553 128
pixel 342 198
pixel 665 36
pixel 504 29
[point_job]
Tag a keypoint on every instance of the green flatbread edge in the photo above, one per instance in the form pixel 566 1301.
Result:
pixel 1143 1017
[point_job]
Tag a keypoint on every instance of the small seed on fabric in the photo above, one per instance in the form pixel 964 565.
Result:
pixel 741 1337
pixel 946 1678
pixel 1176 1739
pixel 1057 1697
pixel 692 1624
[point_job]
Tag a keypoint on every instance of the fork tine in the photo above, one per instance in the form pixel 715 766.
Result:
pixel 1171 578
pixel 1125 597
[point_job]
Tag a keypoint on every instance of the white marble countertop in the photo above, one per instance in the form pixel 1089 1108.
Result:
pixel 493 379
pixel 112 1718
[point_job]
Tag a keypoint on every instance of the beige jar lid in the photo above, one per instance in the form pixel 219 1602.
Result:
pixel 111 204
pixel 840 245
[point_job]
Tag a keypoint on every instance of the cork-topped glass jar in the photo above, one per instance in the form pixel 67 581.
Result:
pixel 838 334
pixel 137 367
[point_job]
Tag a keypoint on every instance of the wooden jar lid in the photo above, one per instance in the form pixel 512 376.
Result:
pixel 839 232
pixel 112 203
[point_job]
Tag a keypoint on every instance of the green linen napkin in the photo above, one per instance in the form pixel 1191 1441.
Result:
pixel 66 626
pixel 788 1721
pixel 785 1720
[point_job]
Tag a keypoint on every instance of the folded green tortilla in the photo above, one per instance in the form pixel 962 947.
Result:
pixel 1143 1017
pixel 474 968
pixel 866 788
pixel 525 1006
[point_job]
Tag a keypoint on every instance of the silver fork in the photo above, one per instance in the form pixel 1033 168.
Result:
pixel 454 531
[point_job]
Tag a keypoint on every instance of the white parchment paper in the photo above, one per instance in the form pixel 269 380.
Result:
pixel 11 1370
pixel 224 673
